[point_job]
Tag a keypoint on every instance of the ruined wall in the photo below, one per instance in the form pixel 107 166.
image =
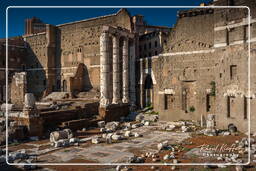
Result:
pixel 36 62
pixel 40 61
pixel 193 31
pixel 16 55
pixel 205 71
pixel 79 43
pixel 19 88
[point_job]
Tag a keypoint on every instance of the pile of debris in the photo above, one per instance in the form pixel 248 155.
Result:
pixel 180 126
pixel 63 138
pixel 114 131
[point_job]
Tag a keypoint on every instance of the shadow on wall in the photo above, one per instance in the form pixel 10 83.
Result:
pixel 36 75
pixel 80 81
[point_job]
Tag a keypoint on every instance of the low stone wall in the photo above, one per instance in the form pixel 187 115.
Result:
pixel 113 112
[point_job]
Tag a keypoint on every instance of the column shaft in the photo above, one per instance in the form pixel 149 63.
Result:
pixel 116 71
pixel 104 69
pixel 125 72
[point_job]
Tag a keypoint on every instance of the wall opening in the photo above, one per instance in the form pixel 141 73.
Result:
pixel 233 71
pixel 64 85
pixel 168 101
pixel 184 99
pixel 148 90
pixel 208 103
pixel 245 107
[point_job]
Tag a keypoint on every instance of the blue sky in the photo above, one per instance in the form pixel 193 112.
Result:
pixel 154 16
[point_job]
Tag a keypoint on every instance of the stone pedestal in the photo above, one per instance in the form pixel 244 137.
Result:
pixel 33 122
pixel 210 125
pixel 113 112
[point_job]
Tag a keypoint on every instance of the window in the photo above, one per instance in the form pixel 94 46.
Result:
pixel 245 107
pixel 230 100
pixel 145 47
pixel 44 82
pixel 140 48
pixel 233 71
pixel 155 43
pixel 165 101
pixel 149 45
pixel 208 106
pixel 184 99
pixel 228 106
pixel 168 101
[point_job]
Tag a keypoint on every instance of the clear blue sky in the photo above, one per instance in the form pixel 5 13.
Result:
pixel 164 17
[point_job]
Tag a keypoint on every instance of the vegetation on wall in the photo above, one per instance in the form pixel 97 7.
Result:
pixel 192 109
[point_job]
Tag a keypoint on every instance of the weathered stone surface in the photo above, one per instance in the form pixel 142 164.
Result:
pixel 29 100
pixel 96 140
pixel 101 124
pixel 58 135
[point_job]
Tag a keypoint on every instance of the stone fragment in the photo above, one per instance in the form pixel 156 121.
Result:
pixel 139 117
pixel 136 125
pixel 185 128
pixel 170 127
pixel 116 137
pixel 147 123
pixel 96 140
pixel 58 135
pixel 112 126
pixel 84 129
pixel 137 135
pixel 232 128
pixel 29 101
pixel 226 133
pixel 101 124
pixel 103 130
pixel 73 140
pixel 162 145
pixel 127 134
pixel 166 157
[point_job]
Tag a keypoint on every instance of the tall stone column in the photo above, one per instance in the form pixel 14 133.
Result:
pixel 125 72
pixel 116 71
pixel 142 95
pixel 104 68
pixel 132 74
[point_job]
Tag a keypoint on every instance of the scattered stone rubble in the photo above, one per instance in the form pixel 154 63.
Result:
pixel 62 138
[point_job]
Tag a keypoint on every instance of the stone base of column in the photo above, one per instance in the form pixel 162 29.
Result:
pixel 113 112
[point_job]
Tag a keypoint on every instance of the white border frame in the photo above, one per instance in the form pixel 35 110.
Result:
pixel 135 164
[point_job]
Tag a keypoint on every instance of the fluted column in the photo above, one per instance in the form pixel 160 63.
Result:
pixel 116 71
pixel 104 68
pixel 125 72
